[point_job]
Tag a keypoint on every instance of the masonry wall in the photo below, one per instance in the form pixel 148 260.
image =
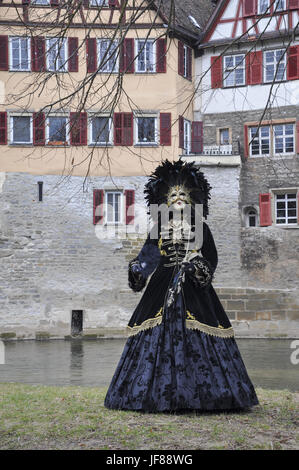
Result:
pixel 268 255
pixel 54 260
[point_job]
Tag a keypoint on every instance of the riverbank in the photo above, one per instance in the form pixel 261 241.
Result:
pixel 42 417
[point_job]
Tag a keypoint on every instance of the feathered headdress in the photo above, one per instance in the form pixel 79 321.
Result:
pixel 181 173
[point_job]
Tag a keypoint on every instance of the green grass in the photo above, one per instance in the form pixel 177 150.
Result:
pixel 40 417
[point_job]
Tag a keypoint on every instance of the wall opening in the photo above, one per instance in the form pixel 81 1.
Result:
pixel 77 322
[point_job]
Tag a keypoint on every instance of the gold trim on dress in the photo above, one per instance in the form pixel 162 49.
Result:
pixel 191 323
pixel 219 331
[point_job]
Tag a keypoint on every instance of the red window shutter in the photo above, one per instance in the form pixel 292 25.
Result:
pixel 165 128
pixel 254 68
pixel 181 132
pixel 78 128
pixel 130 202
pixel 38 54
pixel 3 52
pixel 249 7
pixel 98 202
pixel 246 143
pixel 189 63
pixel 25 2
pixel 117 128
pixel 38 129
pixel 91 54
pixel 161 55
pixel 127 56
pixel 73 54
pixel 293 4
pixel 265 210
pixel 197 137
pixel 3 128
pixel 293 63
pixel 86 3
pixel 216 71
pixel 181 58
pixel 54 3
pixel 113 3
pixel 127 127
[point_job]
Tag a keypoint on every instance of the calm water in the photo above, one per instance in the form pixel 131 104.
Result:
pixel 92 363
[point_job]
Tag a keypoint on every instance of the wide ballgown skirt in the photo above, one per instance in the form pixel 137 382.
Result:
pixel 170 368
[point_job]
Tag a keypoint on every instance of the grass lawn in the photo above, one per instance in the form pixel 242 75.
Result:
pixel 40 417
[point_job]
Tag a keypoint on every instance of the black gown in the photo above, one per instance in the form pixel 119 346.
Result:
pixel 181 353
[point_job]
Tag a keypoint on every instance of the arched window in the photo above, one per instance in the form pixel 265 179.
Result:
pixel 251 217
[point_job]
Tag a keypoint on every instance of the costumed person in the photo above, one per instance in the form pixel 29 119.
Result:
pixel 181 353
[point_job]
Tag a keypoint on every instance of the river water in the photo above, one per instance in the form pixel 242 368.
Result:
pixel 91 363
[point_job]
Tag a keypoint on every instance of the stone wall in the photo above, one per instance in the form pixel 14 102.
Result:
pixel 268 255
pixel 53 262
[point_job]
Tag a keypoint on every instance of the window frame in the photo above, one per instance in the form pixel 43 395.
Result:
pixel 67 130
pixel 137 55
pixel 91 116
pixel 284 62
pixel 271 124
pixel 104 4
pixel 116 65
pixel 233 70
pixel 187 137
pixel 66 58
pixel 10 55
pixel 11 127
pixel 137 116
pixel 277 154
pixel 250 141
pixel 36 3
pixel 121 207
pixel 285 192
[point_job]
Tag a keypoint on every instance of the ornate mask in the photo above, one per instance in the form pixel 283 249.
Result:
pixel 178 197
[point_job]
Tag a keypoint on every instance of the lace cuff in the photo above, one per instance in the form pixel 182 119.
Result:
pixel 203 275
pixel 136 280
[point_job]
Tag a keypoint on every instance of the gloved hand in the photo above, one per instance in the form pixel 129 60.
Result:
pixel 188 268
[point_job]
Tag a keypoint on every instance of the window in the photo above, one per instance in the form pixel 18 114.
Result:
pixel 274 65
pixel 184 60
pixel 113 206
pixel 107 55
pixel 234 70
pixel 100 130
pixel 57 130
pixel 21 129
pixel 250 217
pixel 286 210
pixel 57 54
pixel 98 3
pixel 284 139
pixel 187 136
pixel 260 140
pixel 40 2
pixel 146 53
pixel 275 139
pixel 263 6
pixel 224 136
pixel 146 130
pixel 20 54
pixel 279 5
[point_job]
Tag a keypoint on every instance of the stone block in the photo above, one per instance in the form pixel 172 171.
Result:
pixel 235 305
pixel 263 315
pixel 246 316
